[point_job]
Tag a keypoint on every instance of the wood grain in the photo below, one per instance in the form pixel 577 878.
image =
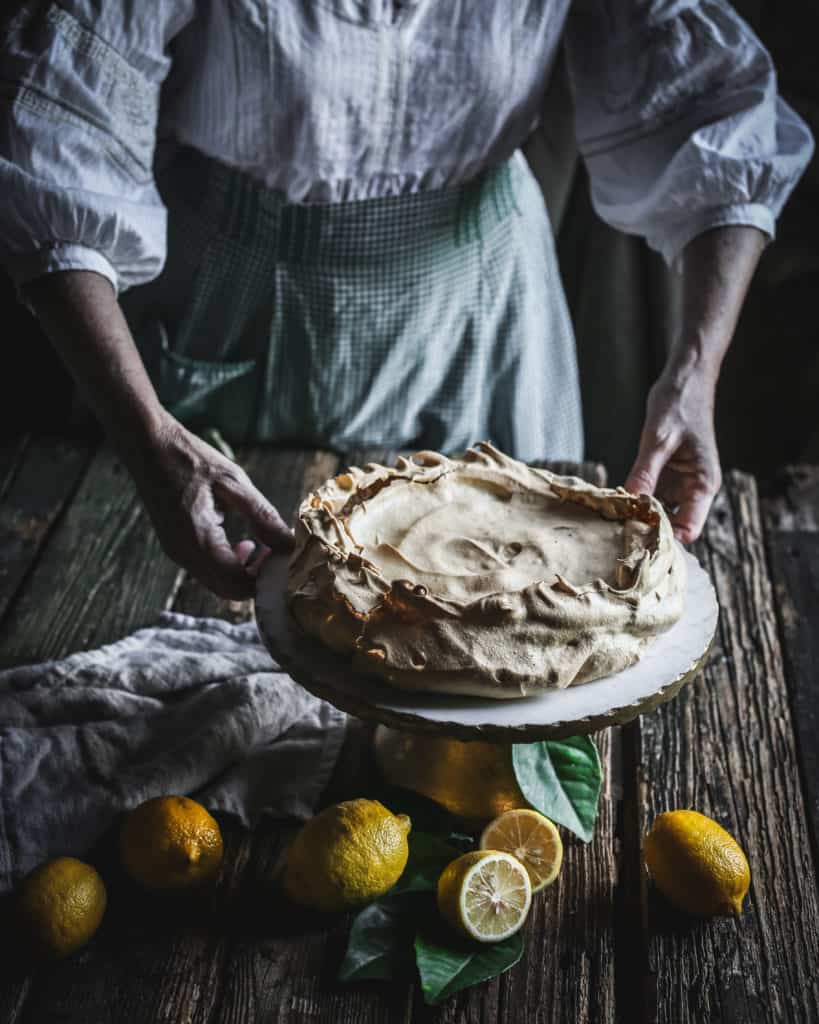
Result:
pixel 568 970
pixel 281 965
pixel 569 967
pixel 791 513
pixel 198 973
pixel 726 748
pixel 101 575
pixel 601 944
pixel 11 454
pixel 35 488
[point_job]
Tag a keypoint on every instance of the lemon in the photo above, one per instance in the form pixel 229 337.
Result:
pixel 349 854
pixel 485 894
pixel 60 905
pixel 473 780
pixel 170 842
pixel 696 864
pixel 532 839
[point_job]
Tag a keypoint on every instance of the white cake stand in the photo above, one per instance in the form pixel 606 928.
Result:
pixel 672 660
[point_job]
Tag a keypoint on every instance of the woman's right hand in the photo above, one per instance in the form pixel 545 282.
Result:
pixel 187 486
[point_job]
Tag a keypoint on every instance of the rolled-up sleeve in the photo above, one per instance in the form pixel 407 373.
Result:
pixel 678 119
pixel 79 99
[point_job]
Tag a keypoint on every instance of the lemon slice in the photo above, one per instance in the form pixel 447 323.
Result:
pixel 532 839
pixel 485 894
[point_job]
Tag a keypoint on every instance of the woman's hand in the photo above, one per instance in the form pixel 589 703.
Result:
pixel 187 486
pixel 678 459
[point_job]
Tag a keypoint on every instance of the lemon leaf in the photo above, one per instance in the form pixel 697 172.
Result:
pixel 381 936
pixel 561 779
pixel 380 942
pixel 428 856
pixel 425 814
pixel 447 964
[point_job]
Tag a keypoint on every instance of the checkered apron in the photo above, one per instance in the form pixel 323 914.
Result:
pixel 429 320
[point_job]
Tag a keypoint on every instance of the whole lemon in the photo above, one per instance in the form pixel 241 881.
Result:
pixel 696 864
pixel 170 842
pixel 349 854
pixel 472 780
pixel 60 905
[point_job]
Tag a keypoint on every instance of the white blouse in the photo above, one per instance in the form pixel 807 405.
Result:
pixel 677 113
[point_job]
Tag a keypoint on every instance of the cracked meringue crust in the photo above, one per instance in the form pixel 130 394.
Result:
pixel 482 575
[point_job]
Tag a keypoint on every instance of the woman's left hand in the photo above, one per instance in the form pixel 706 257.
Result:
pixel 678 458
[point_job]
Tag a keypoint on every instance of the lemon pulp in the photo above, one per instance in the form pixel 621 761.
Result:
pixel 485 894
pixel 532 839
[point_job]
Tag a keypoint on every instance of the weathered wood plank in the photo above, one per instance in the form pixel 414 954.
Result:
pixel 11 455
pixel 244 957
pixel 15 981
pixel 568 972
pixel 122 976
pixel 43 480
pixel 281 969
pixel 101 575
pixel 791 514
pixel 568 969
pixel 726 747
pixel 191 960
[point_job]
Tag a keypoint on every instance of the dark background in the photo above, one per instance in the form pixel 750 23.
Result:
pixel 621 296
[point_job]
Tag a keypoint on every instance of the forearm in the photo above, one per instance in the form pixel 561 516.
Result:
pixel 185 484
pixel 717 268
pixel 678 457
pixel 80 313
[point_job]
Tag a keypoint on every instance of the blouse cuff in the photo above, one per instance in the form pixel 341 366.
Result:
pixel 755 215
pixel 60 256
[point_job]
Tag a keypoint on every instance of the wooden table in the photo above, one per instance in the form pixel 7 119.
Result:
pixel 81 566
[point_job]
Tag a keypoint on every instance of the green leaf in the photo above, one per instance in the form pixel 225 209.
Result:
pixel 428 856
pixel 381 936
pixel 561 779
pixel 426 815
pixel 448 964
pixel 380 942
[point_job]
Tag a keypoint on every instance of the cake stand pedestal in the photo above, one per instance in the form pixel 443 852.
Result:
pixel 444 745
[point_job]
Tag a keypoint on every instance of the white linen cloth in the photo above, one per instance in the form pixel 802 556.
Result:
pixel 190 706
pixel 677 113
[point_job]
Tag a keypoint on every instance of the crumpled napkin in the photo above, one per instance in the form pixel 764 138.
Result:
pixel 190 706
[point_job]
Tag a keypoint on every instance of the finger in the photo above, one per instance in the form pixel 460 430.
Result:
pixel 213 561
pixel 252 555
pixel 693 511
pixel 256 565
pixel 262 518
pixel 648 465
pixel 246 551
pixel 222 571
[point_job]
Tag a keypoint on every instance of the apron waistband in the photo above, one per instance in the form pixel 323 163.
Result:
pixel 362 231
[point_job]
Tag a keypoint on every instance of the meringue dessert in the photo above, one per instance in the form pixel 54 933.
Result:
pixel 482 575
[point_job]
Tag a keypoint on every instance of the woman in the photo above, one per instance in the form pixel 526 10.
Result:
pixel 356 252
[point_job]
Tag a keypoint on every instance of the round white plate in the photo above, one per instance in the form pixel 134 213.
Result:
pixel 670 661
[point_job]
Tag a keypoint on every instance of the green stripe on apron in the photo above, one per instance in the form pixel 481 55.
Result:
pixel 433 320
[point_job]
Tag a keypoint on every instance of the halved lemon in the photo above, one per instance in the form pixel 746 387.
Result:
pixel 532 839
pixel 485 895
